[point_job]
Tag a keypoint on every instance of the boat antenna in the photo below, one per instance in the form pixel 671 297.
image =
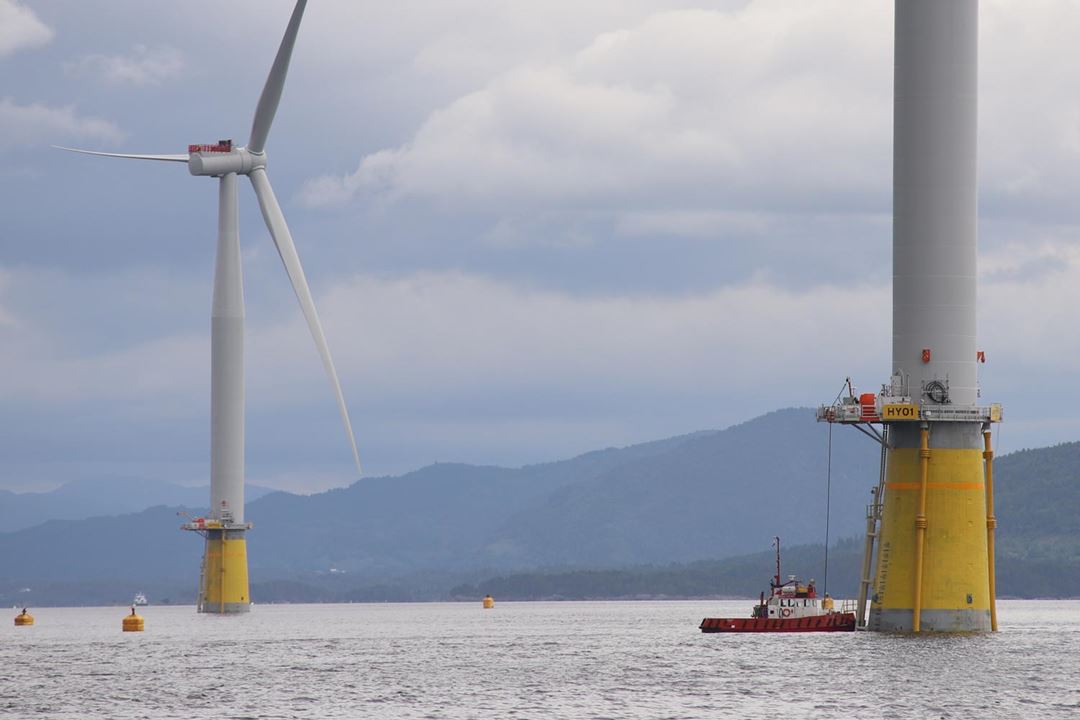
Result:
pixel 828 506
pixel 777 540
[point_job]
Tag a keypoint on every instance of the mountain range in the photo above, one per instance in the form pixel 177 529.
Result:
pixel 706 497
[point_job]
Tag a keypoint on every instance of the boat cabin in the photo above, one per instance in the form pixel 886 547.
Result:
pixel 792 599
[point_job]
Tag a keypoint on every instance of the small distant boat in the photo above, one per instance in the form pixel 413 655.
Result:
pixel 790 607
pixel 140 600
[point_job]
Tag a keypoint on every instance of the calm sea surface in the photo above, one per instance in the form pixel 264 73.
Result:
pixel 525 660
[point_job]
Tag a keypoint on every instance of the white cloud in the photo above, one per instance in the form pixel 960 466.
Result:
pixel 430 340
pixel 165 371
pixel 693 223
pixel 710 106
pixel 20 28
pixel 472 349
pixel 142 66
pixel 438 333
pixel 433 334
pixel 36 123
pixel 50 357
pixel 419 350
pixel 1029 129
pixel 1029 292
pixel 327 190
pixel 771 106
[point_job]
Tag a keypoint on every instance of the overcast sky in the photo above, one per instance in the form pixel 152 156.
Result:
pixel 531 229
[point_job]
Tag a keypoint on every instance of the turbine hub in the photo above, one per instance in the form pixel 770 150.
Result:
pixel 221 158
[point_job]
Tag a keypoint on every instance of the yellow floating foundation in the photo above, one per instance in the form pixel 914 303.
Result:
pixel 932 562
pixel 23 619
pixel 224 585
pixel 134 622
pixel 489 602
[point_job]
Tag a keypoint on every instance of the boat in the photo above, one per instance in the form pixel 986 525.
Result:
pixel 140 600
pixel 791 607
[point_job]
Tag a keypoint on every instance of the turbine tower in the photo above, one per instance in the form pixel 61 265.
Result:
pixel 932 514
pixel 223 586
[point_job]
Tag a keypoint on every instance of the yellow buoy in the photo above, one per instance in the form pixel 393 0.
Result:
pixel 24 618
pixel 489 602
pixel 133 622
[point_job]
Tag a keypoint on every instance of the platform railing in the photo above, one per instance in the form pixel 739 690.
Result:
pixel 854 413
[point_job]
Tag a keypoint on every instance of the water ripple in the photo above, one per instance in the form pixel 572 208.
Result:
pixel 526 660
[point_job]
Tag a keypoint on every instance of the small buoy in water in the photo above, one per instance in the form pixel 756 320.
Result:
pixel 489 602
pixel 133 622
pixel 24 618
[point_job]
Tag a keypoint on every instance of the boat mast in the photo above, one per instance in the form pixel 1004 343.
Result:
pixel 777 583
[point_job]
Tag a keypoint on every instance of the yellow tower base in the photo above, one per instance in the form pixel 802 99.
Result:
pixel 932 566
pixel 223 588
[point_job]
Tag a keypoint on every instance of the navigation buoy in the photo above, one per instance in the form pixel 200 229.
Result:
pixel 489 602
pixel 24 618
pixel 133 622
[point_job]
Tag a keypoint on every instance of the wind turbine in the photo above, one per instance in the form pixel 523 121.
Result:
pixel 223 586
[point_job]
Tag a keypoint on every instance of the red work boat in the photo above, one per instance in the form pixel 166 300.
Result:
pixel 790 607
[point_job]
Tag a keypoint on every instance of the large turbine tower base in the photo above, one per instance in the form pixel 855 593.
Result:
pixel 223 584
pixel 225 575
pixel 930 531
pixel 932 563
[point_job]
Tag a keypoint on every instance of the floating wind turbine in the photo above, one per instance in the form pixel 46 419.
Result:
pixel 933 519
pixel 224 582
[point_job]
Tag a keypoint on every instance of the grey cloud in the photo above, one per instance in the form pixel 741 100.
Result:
pixel 39 123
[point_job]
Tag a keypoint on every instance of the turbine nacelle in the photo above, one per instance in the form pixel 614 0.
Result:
pixel 221 158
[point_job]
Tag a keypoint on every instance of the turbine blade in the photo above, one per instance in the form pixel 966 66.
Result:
pixel 279 231
pixel 271 94
pixel 130 156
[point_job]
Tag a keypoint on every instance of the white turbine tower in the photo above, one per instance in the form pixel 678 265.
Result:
pixel 223 587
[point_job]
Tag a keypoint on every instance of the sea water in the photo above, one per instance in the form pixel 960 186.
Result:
pixel 526 660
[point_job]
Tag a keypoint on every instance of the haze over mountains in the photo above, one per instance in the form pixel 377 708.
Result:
pixel 691 499
pixel 101 496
